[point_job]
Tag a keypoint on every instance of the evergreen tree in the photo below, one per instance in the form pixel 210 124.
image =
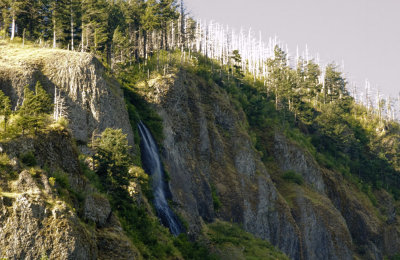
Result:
pixel 166 12
pixel 58 10
pixel 16 7
pixel 149 22
pixel 112 156
pixel 5 17
pixel 120 46
pixel 335 84
pixel 34 107
pixel 280 80
pixel 237 63
pixel 43 104
pixel 5 108
pixel 95 22
pixel 25 120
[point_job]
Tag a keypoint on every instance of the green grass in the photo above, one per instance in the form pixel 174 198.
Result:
pixel 216 201
pixel 292 176
pixel 230 239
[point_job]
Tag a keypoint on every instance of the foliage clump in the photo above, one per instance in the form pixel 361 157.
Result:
pixel 32 116
pixel 28 159
pixel 292 176
pixel 231 240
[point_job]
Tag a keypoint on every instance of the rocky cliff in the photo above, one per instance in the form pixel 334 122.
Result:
pixel 48 208
pixel 217 174
pixel 43 216
pixel 91 100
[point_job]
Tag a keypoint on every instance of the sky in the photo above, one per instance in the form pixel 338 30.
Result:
pixel 364 35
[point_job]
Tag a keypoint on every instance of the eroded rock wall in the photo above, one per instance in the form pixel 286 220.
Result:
pixel 93 100
pixel 207 151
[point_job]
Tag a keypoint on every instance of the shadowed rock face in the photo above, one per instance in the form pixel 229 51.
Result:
pixel 291 157
pixel 92 100
pixel 208 153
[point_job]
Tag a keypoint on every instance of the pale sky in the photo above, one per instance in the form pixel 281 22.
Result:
pixel 365 34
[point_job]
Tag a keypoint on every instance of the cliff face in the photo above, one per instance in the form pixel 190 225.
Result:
pixel 40 218
pixel 92 101
pixel 49 209
pixel 207 152
pixel 217 174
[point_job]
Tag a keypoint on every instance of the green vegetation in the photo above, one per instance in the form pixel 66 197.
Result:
pixel 117 31
pixel 61 179
pixel 229 240
pixel 292 176
pixel 395 257
pixel 29 118
pixel 28 158
pixel 5 109
pixel 115 170
pixel 216 202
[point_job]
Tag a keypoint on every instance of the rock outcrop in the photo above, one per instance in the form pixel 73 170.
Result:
pixel 37 221
pixel 92 100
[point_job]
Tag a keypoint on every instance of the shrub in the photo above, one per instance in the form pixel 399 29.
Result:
pixel 216 202
pixel 35 172
pixel 292 176
pixel 61 178
pixel 28 159
pixel 4 159
pixel 52 181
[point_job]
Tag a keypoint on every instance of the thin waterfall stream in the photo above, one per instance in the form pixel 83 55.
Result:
pixel 152 165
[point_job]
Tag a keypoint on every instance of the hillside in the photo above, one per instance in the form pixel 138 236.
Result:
pixel 218 170
pixel 130 131
pixel 56 203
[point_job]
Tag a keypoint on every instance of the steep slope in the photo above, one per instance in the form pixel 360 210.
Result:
pixel 215 173
pixel 93 101
pixel 208 152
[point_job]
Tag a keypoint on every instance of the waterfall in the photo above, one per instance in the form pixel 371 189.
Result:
pixel 152 165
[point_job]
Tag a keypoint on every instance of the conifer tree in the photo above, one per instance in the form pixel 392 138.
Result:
pixel 112 156
pixel 15 7
pixel 4 16
pixel 58 9
pixel 95 22
pixel 335 84
pixel 167 13
pixel 149 22
pixel 25 111
pixel 5 108
pixel 34 107
pixel 43 104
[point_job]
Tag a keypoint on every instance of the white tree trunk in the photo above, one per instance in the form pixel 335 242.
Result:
pixel 72 30
pixel 54 38
pixel 13 27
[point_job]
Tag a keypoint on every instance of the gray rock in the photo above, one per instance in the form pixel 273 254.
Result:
pixel 97 209
pixel 29 232
pixel 93 100
pixel 290 156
